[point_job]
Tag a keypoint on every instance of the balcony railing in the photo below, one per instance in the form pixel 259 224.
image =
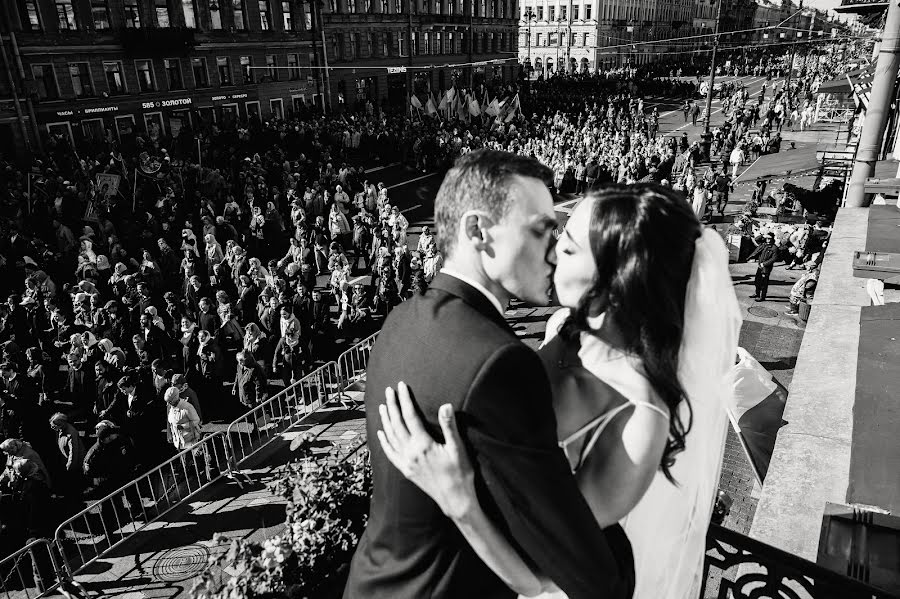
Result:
pixel 738 567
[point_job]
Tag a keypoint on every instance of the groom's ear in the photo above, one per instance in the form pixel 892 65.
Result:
pixel 474 225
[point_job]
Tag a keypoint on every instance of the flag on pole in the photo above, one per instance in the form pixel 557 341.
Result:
pixel 443 105
pixel 514 108
pixel 757 412
pixel 429 106
pixel 484 101
pixel 493 108
pixel 415 102
pixel 474 108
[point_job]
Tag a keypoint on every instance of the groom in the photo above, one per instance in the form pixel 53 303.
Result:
pixel 495 222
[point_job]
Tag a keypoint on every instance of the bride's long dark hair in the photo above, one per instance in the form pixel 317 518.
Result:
pixel 642 238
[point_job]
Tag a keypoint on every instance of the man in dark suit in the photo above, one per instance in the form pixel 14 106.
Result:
pixel 765 255
pixel 495 222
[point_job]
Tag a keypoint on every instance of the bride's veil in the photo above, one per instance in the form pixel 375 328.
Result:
pixel 668 526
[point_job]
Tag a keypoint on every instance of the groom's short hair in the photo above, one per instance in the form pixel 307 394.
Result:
pixel 479 180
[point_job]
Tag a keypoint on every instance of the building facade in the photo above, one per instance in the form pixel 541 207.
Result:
pixel 384 50
pixel 85 66
pixel 82 67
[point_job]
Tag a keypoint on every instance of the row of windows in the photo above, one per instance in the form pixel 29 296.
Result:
pixel 554 38
pixel 538 13
pixel 353 45
pixel 233 13
pixel 163 13
pixel 84 86
pixel 276 66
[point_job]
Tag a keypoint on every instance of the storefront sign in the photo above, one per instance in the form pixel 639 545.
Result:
pixel 229 97
pixel 86 111
pixel 166 103
pixel 395 70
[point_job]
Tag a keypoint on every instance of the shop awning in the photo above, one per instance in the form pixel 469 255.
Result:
pixel 874 450
pixel 836 86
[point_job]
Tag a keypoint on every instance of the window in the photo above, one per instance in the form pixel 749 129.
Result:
pixel 190 16
pixel 215 14
pixel 587 11
pixel 540 13
pixel 572 41
pixel 575 9
pixel 354 45
pixel 173 73
pixel 100 14
pixel 287 21
pixel 237 9
pixel 65 15
pixel 563 12
pixel 162 13
pixel 367 5
pixel 537 39
pixel 414 43
pixel 145 78
pixel 552 13
pixel 201 75
pixel 293 63
pixel 398 6
pixel 351 7
pixel 401 43
pixel 336 42
pixel 81 79
pixel 463 40
pixel 132 14
pixel 45 79
pixel 451 43
pixel 246 71
pixel 384 7
pixel 334 6
pixel 451 8
pixel 307 15
pixel 224 67
pixel 271 65
pixel 32 20
pixel 438 42
pixel 264 15
pixel 584 39
pixel 370 44
pixel 115 80
pixel 427 49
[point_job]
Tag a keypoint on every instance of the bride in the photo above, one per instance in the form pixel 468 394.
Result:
pixel 638 358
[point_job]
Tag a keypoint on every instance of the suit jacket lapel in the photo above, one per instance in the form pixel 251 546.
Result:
pixel 468 294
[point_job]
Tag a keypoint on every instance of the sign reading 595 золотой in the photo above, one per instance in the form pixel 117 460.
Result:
pixel 166 103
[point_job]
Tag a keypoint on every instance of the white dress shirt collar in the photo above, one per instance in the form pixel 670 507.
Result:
pixel 478 286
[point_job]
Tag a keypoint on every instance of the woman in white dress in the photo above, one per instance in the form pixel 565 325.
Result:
pixel 639 359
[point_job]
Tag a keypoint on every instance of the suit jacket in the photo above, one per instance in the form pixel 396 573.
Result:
pixel 451 345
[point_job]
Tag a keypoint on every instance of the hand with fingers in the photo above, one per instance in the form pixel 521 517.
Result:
pixel 442 471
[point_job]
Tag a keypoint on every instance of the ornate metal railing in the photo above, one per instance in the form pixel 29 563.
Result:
pixel 738 567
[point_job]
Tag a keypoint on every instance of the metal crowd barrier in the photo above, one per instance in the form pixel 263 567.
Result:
pixel 126 511
pixel 44 564
pixel 353 363
pixel 259 426
pixel 31 571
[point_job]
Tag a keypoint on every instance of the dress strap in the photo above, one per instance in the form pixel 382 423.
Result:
pixel 608 416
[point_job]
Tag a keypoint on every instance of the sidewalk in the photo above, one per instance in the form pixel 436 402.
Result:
pixel 164 559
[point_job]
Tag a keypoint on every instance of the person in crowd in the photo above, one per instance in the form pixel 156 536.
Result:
pixel 765 255
pixel 72 452
pixel 183 422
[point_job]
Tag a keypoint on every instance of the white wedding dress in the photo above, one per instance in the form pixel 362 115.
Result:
pixel 667 528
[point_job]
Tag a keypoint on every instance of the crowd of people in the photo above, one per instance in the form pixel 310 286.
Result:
pixel 229 260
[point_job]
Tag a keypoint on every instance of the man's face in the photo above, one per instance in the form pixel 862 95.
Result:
pixel 517 252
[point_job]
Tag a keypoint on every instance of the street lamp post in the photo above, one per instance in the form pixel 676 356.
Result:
pixel 529 17
pixel 787 86
pixel 712 72
pixel 559 21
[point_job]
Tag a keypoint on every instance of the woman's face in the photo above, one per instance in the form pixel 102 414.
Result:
pixel 575 265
